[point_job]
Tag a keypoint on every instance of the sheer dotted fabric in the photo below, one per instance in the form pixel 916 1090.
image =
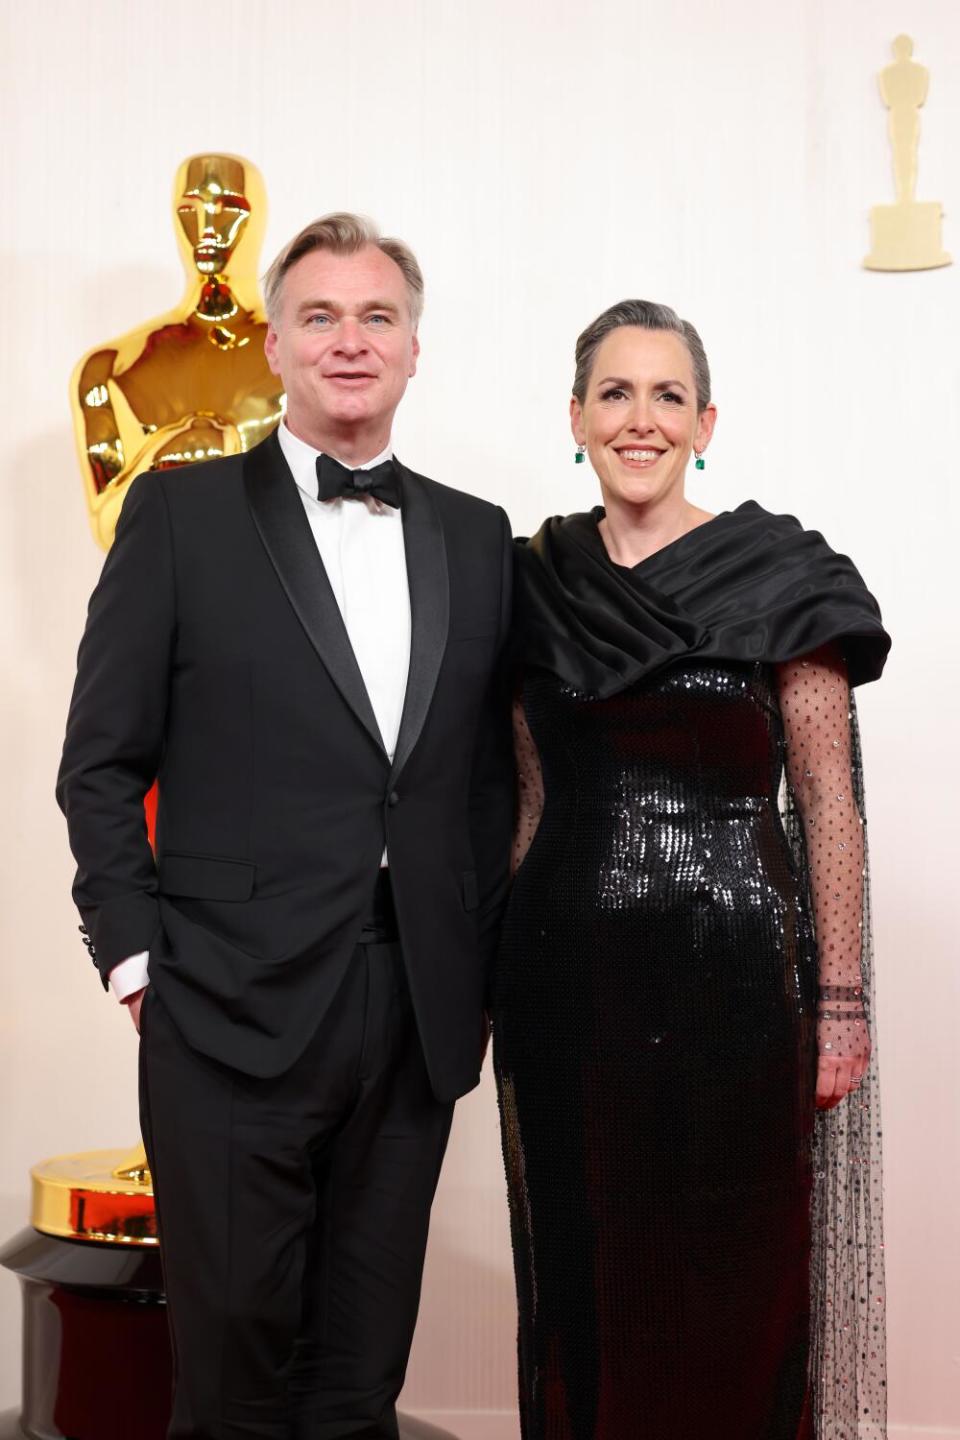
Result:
pixel 815 705
pixel 825 819
pixel 529 786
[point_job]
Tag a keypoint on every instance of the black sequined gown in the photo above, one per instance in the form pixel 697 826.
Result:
pixel 656 1052
pixel 698 1252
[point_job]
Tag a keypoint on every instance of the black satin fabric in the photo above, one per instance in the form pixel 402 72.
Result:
pixel 746 586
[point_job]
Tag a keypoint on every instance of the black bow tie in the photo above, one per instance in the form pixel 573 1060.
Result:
pixel 334 479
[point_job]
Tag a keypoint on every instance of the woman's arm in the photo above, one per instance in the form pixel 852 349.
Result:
pixel 529 805
pixel 815 704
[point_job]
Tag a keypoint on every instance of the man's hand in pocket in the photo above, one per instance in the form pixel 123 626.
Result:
pixel 133 1003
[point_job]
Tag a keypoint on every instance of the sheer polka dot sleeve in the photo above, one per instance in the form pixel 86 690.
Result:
pixel 815 705
pixel 529 806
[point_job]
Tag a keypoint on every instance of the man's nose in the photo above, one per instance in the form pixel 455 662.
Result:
pixel 351 339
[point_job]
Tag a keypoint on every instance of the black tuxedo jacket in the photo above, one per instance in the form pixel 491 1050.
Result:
pixel 215 658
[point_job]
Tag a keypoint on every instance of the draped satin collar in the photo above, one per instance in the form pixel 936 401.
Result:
pixel 745 586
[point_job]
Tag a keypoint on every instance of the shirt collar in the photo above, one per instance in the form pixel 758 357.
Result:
pixel 302 459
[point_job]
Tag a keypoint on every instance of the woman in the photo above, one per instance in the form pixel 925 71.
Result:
pixel 680 981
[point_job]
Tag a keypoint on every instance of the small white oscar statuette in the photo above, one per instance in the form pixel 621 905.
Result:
pixel 907 235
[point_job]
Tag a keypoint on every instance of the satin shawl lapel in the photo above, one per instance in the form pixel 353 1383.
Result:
pixel 428 580
pixel 280 518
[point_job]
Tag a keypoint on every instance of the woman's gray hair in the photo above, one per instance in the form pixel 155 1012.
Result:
pixel 645 316
pixel 342 233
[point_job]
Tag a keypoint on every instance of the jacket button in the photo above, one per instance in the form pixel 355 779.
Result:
pixel 393 798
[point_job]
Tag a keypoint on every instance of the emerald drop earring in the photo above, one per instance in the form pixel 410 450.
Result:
pixel 699 463
pixel 578 458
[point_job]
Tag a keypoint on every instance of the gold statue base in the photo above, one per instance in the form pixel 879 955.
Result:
pixel 100 1195
pixel 907 237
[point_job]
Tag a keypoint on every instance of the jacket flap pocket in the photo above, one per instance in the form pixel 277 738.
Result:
pixel 206 878
pixel 471 895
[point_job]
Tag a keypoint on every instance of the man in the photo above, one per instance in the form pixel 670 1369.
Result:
pixel 302 644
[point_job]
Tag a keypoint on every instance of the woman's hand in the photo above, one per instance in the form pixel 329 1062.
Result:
pixel 843 1040
pixel 838 1076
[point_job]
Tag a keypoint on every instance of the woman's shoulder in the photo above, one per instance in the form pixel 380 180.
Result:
pixel 579 524
pixel 769 584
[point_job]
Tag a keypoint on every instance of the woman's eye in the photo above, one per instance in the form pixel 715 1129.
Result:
pixel 614 393
pixel 672 396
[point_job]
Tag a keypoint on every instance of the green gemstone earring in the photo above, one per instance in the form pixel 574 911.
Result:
pixel 699 463
pixel 578 458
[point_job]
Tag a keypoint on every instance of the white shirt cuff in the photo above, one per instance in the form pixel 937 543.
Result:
pixel 130 975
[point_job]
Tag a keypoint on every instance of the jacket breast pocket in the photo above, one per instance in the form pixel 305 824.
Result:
pixel 205 877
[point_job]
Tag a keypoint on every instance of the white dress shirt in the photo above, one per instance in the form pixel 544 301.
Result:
pixel 361 546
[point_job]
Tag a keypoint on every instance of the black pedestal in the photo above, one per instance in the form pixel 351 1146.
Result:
pixel 96 1349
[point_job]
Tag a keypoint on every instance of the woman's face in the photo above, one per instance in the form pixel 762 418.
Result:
pixel 639 419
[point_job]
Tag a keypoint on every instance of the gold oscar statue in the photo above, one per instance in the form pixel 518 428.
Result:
pixel 190 385
pixel 907 235
pixel 193 383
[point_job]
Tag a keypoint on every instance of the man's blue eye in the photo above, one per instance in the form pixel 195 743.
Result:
pixel 382 319
pixel 318 319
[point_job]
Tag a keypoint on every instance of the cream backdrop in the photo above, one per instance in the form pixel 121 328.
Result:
pixel 544 160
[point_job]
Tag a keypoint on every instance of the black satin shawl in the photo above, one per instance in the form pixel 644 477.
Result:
pixel 745 586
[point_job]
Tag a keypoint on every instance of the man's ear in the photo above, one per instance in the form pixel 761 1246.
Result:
pixel 270 349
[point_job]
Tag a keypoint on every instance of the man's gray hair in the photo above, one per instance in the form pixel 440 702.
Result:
pixel 342 233
pixel 646 316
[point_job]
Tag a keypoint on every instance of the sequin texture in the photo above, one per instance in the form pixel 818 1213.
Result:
pixel 658 998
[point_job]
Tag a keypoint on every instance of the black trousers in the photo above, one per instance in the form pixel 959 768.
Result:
pixel 293 1217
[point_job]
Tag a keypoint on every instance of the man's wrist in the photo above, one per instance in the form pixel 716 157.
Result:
pixel 131 976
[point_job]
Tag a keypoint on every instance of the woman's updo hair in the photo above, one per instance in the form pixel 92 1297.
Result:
pixel 645 316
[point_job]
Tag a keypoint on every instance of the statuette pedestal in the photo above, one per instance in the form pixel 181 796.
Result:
pixel 907 237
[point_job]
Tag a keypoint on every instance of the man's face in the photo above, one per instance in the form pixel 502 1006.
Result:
pixel 343 342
